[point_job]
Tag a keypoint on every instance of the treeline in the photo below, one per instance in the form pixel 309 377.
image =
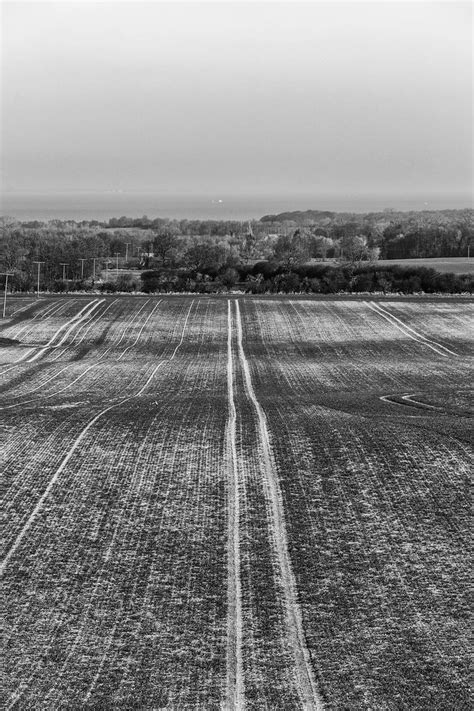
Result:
pixel 396 235
pixel 78 255
pixel 272 278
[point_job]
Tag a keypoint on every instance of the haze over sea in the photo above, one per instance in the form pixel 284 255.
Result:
pixel 104 205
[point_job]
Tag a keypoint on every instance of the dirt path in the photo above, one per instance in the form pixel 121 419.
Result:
pixel 234 681
pixel 305 682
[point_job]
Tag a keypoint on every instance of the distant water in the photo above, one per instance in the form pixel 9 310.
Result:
pixel 103 206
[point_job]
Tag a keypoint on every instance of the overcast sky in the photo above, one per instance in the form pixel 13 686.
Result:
pixel 234 97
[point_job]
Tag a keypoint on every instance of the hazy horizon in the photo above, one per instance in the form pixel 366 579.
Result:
pixel 103 206
pixel 237 98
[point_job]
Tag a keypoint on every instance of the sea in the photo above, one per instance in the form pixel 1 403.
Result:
pixel 104 205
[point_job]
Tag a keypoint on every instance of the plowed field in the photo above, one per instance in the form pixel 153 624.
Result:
pixel 236 503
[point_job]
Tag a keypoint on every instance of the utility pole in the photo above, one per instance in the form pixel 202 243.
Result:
pixel 82 268
pixel 107 269
pixel 127 244
pixel 64 265
pixel 116 264
pixel 6 275
pixel 38 278
pixel 93 268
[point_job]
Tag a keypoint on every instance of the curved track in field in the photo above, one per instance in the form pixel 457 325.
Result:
pixel 409 401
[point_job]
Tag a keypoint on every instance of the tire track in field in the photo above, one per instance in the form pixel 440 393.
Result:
pixel 108 554
pixel 409 328
pixel 408 331
pixel 305 682
pixel 118 339
pixel 409 401
pixel 50 312
pixel 234 681
pixel 83 315
pixel 167 360
pixel 19 310
pixel 141 330
pixel 73 322
pixel 41 315
pixel 90 367
pixel 30 520
pixel 53 480
pixel 92 321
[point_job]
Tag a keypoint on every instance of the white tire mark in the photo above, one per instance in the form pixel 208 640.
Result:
pixel 306 684
pixel 167 360
pixel 72 323
pixel 141 330
pixel 52 482
pixel 410 332
pixel 73 448
pixel 235 694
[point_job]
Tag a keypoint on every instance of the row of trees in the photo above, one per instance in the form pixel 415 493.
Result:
pixel 267 277
pixel 76 255
pixel 87 252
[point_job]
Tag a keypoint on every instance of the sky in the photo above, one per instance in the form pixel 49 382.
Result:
pixel 367 97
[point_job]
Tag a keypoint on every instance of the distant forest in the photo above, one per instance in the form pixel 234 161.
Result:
pixel 313 251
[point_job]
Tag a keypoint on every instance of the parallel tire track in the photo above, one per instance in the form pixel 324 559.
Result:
pixel 92 321
pixel 410 332
pixel 409 401
pixel 75 445
pixel 73 323
pixel 140 331
pixel 53 480
pixel 42 315
pixel 173 355
pixel 305 681
pixel 234 685
pixel 118 339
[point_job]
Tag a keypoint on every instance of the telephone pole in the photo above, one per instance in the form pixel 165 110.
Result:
pixel 82 267
pixel 38 278
pixel 6 275
pixel 127 244
pixel 117 254
pixel 64 265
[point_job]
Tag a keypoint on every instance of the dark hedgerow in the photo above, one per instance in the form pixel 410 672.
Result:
pixel 273 278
